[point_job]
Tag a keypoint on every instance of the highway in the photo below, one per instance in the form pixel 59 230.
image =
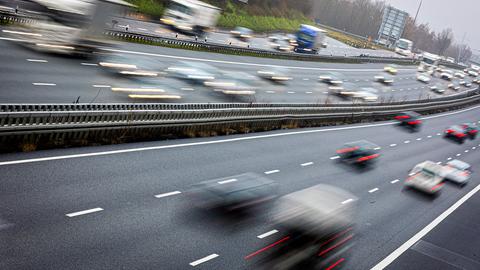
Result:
pixel 128 207
pixel 34 77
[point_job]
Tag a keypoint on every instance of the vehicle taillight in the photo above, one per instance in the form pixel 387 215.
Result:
pixel 449 131
pixel 398 117
pixel 460 135
pixel 345 150
pixel 414 122
pixel 368 157
pixel 437 186
pixel 473 131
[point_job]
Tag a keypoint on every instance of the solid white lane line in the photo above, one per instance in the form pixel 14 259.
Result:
pixel 37 60
pixel 334 157
pixel 84 212
pixel 306 164
pixel 150 148
pixel 204 259
pixel 261 236
pixel 240 63
pixel 272 171
pixel 227 181
pixel 406 141
pixel 347 201
pixel 167 194
pixel 101 86
pixel 88 64
pixel 405 246
pixel 373 190
pixel 394 181
pixel 393 145
pixel 44 84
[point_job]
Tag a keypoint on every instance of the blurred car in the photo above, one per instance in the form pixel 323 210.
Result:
pixel 438 88
pixel 233 83
pixel 425 78
pixel 392 69
pixel 345 90
pixel 466 83
pixel 457 171
pixel 146 90
pixel 239 192
pixel 319 222
pixel 275 74
pixel 384 78
pixel 409 119
pixel 242 33
pixel 454 85
pixel 129 66
pixel 476 81
pixel 194 72
pixel 470 129
pixel 282 45
pixel 460 74
pixel 457 133
pixel 426 177
pixel 446 75
pixel 472 73
pixel 292 39
pixel 332 78
pixel 360 152
pixel 366 94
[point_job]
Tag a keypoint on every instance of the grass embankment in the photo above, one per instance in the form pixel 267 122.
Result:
pixel 234 15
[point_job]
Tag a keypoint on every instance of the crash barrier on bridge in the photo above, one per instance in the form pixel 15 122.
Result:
pixel 52 125
pixel 201 44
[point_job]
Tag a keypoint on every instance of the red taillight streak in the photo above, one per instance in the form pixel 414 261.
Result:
pixel 413 122
pixel 344 150
pixel 368 157
pixel 335 264
pixel 336 245
pixel 402 117
pixel 267 247
pixel 460 135
pixel 473 131
pixel 335 237
pixel 436 186
pixel 448 131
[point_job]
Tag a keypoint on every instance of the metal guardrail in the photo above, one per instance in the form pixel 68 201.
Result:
pixel 222 48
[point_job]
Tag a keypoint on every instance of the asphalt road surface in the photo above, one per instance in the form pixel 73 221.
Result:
pixel 95 207
pixel 30 76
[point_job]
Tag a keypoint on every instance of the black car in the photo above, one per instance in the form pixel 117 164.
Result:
pixel 409 119
pixel 359 152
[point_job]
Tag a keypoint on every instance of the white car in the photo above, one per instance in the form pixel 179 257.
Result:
pixel 278 75
pixel 472 73
pixel 438 88
pixel 446 75
pixel 423 78
pixel 426 177
pixel 460 75
pixel 457 171
pixel 366 94
pixel 384 78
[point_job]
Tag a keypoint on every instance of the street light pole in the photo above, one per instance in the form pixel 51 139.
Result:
pixel 418 10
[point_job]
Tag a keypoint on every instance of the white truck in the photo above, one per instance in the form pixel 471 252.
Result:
pixel 404 47
pixel 190 16
pixel 73 27
pixel 429 62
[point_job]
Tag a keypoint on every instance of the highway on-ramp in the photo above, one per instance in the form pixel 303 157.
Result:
pixel 127 206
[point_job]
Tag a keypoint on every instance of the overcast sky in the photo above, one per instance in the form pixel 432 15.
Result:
pixel 460 15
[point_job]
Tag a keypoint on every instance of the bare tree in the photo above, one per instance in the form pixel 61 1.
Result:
pixel 443 40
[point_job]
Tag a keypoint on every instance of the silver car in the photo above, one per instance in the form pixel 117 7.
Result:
pixel 457 171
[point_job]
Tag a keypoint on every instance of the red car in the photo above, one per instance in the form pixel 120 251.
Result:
pixel 471 130
pixel 457 133
pixel 409 119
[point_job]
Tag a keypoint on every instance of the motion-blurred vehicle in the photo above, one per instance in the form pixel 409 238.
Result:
pixel 457 133
pixel 332 78
pixel 471 130
pixel 429 62
pixel 131 66
pixel 409 119
pixel 404 47
pixel 466 83
pixel 392 69
pixel 457 171
pixel 460 75
pixel 319 222
pixel 384 78
pixel 233 83
pixel 275 74
pixel 424 78
pixel 472 73
pixel 242 33
pixel 69 27
pixel 454 85
pixel 282 45
pixel 344 90
pixel 426 177
pixel 310 39
pixel 366 94
pixel 191 17
pixel 239 192
pixel 476 81
pixel 194 72
pixel 360 152
pixel 438 88
pixel 446 75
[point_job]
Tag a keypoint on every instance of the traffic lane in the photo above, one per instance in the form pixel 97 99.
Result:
pixel 95 233
pixel 115 175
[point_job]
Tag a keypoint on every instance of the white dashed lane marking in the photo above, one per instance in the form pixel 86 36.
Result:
pixel 84 212
pixel 167 194
pixel 306 164
pixel 37 60
pixel 261 236
pixel 227 181
pixel 272 171
pixel 44 84
pixel 88 64
pixel 373 190
pixel 394 181
pixel 347 201
pixel 334 157
pixel 204 259
pixel 406 142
